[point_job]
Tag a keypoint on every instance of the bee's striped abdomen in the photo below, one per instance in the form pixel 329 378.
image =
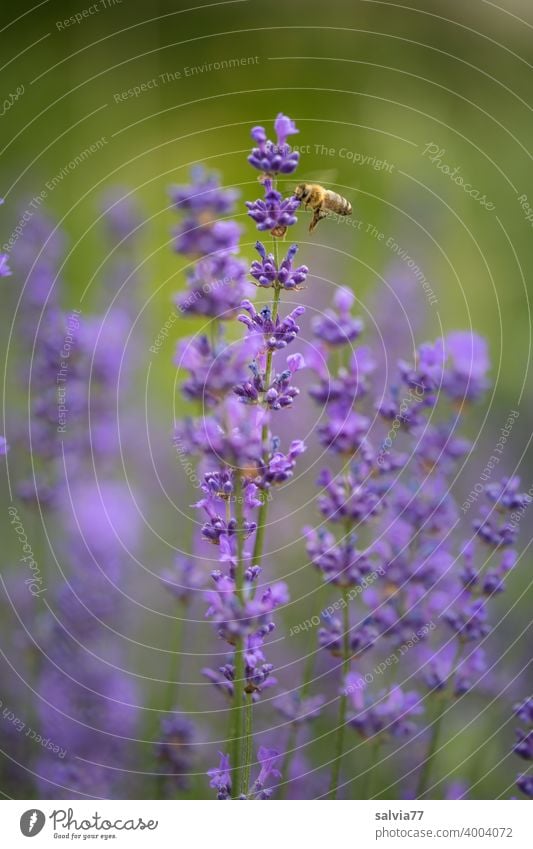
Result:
pixel 338 204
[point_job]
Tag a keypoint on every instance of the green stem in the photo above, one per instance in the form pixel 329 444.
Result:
pixel 425 772
pixel 293 732
pixel 263 510
pixel 239 676
pixel 444 699
pixel 308 673
pixel 236 717
pixel 175 665
pixel 171 691
pixel 248 723
pixel 287 758
pixel 243 742
pixel 260 533
pixel 339 749
pixel 368 787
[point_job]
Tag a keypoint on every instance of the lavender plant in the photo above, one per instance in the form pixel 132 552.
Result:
pixel 410 583
pixel 426 597
pixel 389 540
pixel 241 459
pixel 87 705
pixel 216 284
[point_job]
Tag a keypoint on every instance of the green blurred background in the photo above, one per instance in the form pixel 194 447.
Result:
pixel 379 79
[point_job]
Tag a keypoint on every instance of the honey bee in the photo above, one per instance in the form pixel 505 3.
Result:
pixel 321 201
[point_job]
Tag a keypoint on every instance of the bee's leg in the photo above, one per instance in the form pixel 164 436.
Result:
pixel 319 213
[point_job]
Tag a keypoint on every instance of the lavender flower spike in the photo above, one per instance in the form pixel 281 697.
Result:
pixel 275 213
pixel 268 274
pixel 275 158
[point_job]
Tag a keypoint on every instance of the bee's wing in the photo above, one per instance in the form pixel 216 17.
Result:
pixel 323 177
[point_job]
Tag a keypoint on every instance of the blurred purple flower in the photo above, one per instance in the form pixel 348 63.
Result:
pixel 184 580
pixel 389 712
pixel 216 286
pixel 175 749
pixel 298 710
pixel 338 326
pixel 204 194
pixel 466 375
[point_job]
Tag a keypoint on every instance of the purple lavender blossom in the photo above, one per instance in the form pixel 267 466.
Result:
pixel 257 671
pixel 277 467
pixel 524 711
pixel 268 274
pixel 524 744
pixel 4 447
pixel 221 777
pixel 277 333
pixel 268 759
pixel 279 393
pixel 251 617
pixel 275 213
pixel 275 158
pixel 525 783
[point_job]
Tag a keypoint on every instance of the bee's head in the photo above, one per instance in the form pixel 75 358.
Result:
pixel 300 191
